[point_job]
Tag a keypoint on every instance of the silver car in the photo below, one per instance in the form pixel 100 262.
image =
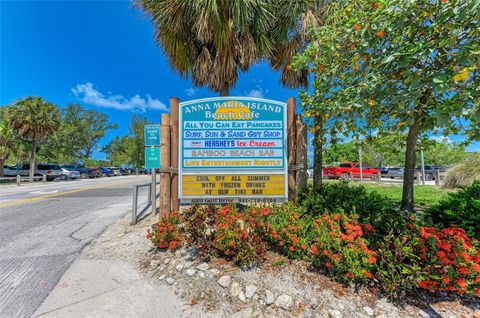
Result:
pixel 51 171
pixel 396 172
pixel 69 174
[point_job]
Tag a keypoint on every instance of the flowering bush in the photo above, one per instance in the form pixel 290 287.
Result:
pixel 199 228
pixel 451 261
pixel 285 230
pixel 165 233
pixel 236 236
pixel 399 265
pixel 340 247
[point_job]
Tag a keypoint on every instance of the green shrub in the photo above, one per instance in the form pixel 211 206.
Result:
pixel 463 174
pixel 236 236
pixel 372 208
pixel 165 234
pixel 339 246
pixel 199 228
pixel 399 264
pixel 285 230
pixel 461 209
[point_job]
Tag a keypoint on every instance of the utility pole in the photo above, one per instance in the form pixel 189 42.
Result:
pixel 360 161
pixel 422 164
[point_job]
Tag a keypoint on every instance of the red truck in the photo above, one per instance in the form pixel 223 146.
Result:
pixel 347 170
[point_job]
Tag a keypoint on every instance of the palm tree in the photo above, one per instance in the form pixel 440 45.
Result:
pixel 210 40
pixel 33 119
pixel 6 140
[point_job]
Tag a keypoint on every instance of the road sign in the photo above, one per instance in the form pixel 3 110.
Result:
pixel 152 135
pixel 152 158
pixel 232 149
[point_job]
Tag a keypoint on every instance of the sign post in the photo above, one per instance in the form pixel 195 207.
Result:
pixel 152 158
pixel 233 149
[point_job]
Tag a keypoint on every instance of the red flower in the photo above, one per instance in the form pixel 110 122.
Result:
pixel 328 264
pixel 445 280
pixel 304 247
pixel 227 252
pixel 284 230
pixel 349 275
pixel 368 274
pixel 314 250
pixel 368 227
pixel 325 252
pixel 231 243
pixel 336 257
pixel 336 217
pixel 476 267
pixel 372 260
pixel 463 271
pixel 292 248
pixel 423 284
pixel 461 282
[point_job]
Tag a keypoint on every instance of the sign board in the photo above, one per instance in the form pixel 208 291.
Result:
pixel 152 135
pixel 232 149
pixel 152 158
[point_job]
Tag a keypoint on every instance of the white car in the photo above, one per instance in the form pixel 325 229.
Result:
pixel 69 174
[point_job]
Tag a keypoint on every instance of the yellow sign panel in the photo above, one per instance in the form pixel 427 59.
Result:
pixel 233 185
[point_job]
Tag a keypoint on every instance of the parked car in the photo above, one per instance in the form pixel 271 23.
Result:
pixel 350 169
pixel 396 172
pixel 430 171
pixel 383 171
pixel 105 172
pixel 116 171
pixel 10 170
pixel 69 174
pixel 51 171
pixel 84 172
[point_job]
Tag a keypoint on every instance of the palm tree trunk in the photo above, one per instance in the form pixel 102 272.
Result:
pixel 224 91
pixel 318 152
pixel 409 173
pixel 2 166
pixel 32 159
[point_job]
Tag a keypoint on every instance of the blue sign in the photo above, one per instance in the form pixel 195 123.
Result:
pixel 152 135
pixel 152 158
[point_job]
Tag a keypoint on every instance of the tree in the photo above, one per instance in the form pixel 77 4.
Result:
pixel 79 133
pixel 129 149
pixel 6 139
pixel 400 66
pixel 33 119
pixel 212 39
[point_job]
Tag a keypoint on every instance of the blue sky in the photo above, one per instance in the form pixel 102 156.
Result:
pixel 101 54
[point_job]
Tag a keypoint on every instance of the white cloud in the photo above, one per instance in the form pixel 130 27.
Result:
pixel 90 95
pixel 441 138
pixel 257 92
pixel 190 91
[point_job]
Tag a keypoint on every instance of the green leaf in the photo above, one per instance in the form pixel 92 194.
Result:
pixel 389 59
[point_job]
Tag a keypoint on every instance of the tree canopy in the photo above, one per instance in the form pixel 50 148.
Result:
pixel 397 66
pixel 211 40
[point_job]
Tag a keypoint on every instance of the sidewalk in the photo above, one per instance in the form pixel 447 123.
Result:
pixel 99 284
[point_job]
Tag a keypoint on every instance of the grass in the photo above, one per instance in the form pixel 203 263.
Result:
pixel 423 195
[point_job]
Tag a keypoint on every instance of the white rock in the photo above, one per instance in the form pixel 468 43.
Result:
pixel 250 290
pixel 235 289
pixel 154 263
pixel 284 301
pixel 241 296
pixel 201 274
pixel 423 314
pixel 269 297
pixel 214 272
pixel 166 261
pixel 368 310
pixel 162 277
pixel 190 272
pixel 224 281
pixel 203 267
pixel 170 281
pixel 179 267
pixel 334 314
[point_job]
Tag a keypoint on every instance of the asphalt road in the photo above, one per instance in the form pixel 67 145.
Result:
pixel 43 227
